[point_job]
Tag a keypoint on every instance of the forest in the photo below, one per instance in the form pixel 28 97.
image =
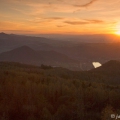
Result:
pixel 43 92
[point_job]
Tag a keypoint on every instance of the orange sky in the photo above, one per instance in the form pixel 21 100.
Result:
pixel 60 16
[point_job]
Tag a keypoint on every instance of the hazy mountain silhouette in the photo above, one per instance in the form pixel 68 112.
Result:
pixel 3 35
pixel 84 53
pixel 12 41
pixel 23 54
pixel 27 55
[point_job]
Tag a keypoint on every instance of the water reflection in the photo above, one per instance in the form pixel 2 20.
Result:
pixel 96 64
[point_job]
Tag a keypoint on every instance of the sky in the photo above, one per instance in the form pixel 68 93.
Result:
pixel 60 16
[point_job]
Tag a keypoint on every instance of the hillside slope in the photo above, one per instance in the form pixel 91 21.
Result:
pixel 27 55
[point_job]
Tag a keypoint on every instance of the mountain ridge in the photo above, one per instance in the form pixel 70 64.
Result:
pixel 25 54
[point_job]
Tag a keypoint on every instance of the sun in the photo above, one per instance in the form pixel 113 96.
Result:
pixel 117 32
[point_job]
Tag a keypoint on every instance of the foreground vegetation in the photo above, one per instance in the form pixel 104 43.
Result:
pixel 46 93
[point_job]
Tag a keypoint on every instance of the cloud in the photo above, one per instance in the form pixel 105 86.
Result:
pixel 60 26
pixel 34 8
pixel 75 22
pixel 87 4
pixel 36 15
pixel 95 21
pixel 84 22
pixel 45 20
pixel 56 7
pixel 54 18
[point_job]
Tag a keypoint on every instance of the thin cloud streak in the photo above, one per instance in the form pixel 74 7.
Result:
pixel 95 21
pixel 87 4
pixel 84 22
pixel 54 18
pixel 41 20
pixel 60 26
pixel 75 22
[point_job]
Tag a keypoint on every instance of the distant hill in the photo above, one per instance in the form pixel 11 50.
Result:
pixel 3 35
pixel 12 41
pixel 83 52
pixel 23 54
pixel 27 55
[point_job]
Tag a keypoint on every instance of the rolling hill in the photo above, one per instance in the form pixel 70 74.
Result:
pixel 12 41
pixel 27 55
pixel 83 53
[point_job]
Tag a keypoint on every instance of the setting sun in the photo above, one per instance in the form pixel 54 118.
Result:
pixel 117 32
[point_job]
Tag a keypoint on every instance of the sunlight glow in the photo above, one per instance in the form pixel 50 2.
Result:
pixel 117 29
pixel 118 32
